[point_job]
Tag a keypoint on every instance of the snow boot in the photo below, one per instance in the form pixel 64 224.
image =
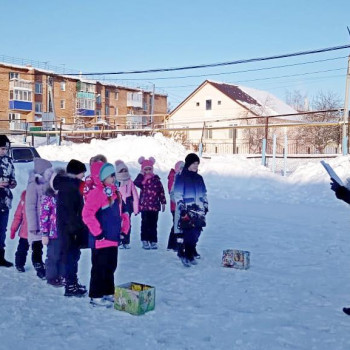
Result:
pixel 109 298
pixel 126 246
pixel 20 269
pixel 185 262
pixel 40 270
pixel 346 310
pixel 145 245
pixel 3 261
pixel 196 254
pixel 193 262
pixel 100 302
pixel 56 282
pixel 154 245
pixel 72 290
pixel 81 287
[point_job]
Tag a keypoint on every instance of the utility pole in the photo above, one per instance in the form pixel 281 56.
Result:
pixel 346 110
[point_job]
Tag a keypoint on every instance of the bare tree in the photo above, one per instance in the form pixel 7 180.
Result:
pixel 298 100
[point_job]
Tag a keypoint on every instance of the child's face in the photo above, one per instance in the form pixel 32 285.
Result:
pixel 147 170
pixel 3 151
pixel 123 170
pixel 193 166
pixel 80 176
pixel 109 180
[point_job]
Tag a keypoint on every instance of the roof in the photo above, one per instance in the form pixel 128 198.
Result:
pixel 258 102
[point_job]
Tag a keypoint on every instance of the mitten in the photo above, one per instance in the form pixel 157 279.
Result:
pixel 334 185
pixel 100 237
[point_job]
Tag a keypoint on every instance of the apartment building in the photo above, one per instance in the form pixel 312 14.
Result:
pixel 36 97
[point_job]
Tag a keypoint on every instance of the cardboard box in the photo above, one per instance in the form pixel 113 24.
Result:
pixel 238 259
pixel 134 298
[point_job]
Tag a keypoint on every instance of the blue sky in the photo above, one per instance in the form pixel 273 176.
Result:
pixel 100 36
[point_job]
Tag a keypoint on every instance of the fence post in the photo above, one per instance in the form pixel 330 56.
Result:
pixel 285 152
pixel 274 153
pixel 33 140
pixel 263 153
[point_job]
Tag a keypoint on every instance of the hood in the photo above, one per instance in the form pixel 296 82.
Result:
pixel 40 165
pixel 34 177
pixel 95 173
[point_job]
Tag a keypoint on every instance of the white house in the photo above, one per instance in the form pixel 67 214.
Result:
pixel 215 104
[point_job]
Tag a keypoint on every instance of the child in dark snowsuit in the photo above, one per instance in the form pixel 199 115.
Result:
pixel 7 182
pixel 152 200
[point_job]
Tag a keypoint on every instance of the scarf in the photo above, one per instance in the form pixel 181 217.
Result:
pixel 122 178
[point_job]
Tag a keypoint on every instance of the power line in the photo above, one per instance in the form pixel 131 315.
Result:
pixel 220 64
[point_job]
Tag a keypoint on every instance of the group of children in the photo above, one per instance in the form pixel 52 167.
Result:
pixel 60 210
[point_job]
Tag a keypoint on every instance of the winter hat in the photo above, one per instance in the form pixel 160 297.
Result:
pixel 40 165
pixel 75 167
pixel 179 166
pixel 119 165
pixel 4 141
pixel 106 170
pixel 146 162
pixel 190 159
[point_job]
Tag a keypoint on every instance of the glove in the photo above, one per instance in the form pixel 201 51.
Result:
pixel 100 237
pixel 341 192
pixel 334 185
pixel 45 240
pixel 206 210
pixel 13 234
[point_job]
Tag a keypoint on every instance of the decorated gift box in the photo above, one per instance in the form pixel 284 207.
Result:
pixel 238 259
pixel 134 298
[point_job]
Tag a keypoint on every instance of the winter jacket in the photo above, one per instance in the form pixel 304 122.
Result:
pixel 189 193
pixel 35 190
pixel 171 178
pixel 102 213
pixel 20 219
pixel 129 191
pixel 7 173
pixel 89 185
pixel 48 216
pixel 69 202
pixel 152 193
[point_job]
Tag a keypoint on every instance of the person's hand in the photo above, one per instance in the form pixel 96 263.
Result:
pixel 206 210
pixel 45 240
pixel 334 185
pixel 13 234
pixel 163 207
pixel 4 184
pixel 100 237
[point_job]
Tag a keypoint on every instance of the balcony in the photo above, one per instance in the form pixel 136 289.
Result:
pixel 20 84
pixel 134 99
pixel 86 95
pixel 17 105
pixel 85 112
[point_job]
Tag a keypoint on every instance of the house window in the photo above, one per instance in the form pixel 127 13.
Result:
pixel 98 99
pixel 63 104
pixel 21 95
pixel 116 111
pixel 38 88
pixel 209 133
pixel 63 86
pixel 208 105
pixel 14 75
pixel 38 107
pixel 219 103
pixel 107 110
pixel 232 133
pixel 197 104
pixel 14 116
pixel 116 95
pixel 107 93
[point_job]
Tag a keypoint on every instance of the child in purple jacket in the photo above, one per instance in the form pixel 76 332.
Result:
pixel 152 200
pixel 53 264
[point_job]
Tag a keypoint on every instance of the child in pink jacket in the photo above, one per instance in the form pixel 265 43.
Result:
pixel 102 215
pixel 89 181
pixel 129 196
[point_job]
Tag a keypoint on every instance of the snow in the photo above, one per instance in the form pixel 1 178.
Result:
pixel 290 298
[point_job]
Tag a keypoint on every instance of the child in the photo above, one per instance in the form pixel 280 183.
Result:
pixel 190 196
pixel 172 242
pixel 7 182
pixel 20 222
pixel 102 216
pixel 36 183
pixel 129 196
pixel 89 182
pixel 70 226
pixel 53 264
pixel 152 200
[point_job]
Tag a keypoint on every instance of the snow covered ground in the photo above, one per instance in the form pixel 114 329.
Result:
pixel 298 234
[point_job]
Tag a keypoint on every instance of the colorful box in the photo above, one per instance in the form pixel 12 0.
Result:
pixel 238 259
pixel 134 298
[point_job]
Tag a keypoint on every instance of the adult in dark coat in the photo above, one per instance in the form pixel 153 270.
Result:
pixel 70 226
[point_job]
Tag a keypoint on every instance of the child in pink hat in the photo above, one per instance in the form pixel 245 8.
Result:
pixel 152 200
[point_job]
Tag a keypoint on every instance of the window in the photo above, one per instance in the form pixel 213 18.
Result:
pixel 38 107
pixel 232 133
pixel 116 95
pixel 14 116
pixel 209 133
pixel 63 86
pixel 116 111
pixel 208 105
pixel 107 110
pixel 38 88
pixel 197 104
pixel 98 99
pixel 14 75
pixel 98 112
pixel 21 95
pixel 107 93
pixel 219 103
pixel 63 104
